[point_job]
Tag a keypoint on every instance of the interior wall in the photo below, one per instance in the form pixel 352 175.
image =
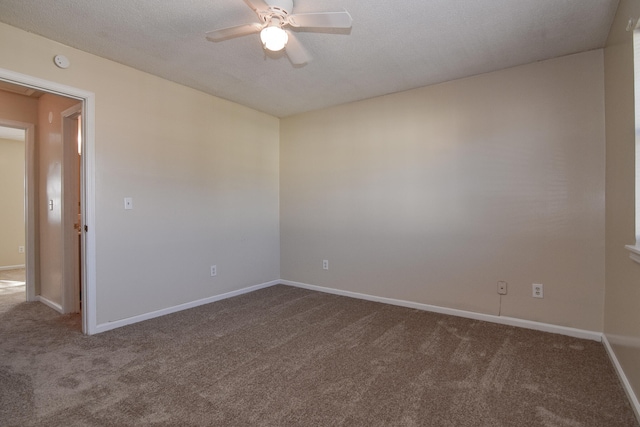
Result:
pixel 436 194
pixel 18 108
pixel 50 164
pixel 12 164
pixel 621 312
pixel 202 172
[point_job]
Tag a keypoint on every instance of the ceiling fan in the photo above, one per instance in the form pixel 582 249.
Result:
pixel 274 16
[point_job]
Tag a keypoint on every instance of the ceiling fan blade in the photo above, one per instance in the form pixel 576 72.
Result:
pixel 231 32
pixel 321 20
pixel 257 5
pixel 297 54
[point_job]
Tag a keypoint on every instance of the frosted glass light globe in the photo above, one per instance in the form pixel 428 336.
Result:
pixel 274 38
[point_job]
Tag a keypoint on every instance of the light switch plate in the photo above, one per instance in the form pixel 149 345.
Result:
pixel 128 203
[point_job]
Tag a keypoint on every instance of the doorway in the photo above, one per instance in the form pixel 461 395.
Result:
pixel 27 198
pixel 78 119
pixel 56 195
pixel 12 218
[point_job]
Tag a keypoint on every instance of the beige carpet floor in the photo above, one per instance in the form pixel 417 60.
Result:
pixel 285 356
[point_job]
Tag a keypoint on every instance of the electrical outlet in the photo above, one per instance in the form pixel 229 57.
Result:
pixel 538 290
pixel 214 270
pixel 325 264
pixel 20 249
pixel 502 288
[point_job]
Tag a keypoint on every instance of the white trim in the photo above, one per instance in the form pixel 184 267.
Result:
pixel 624 341
pixel 89 316
pixel 633 399
pixel 49 303
pixel 510 321
pixel 103 327
pixel 30 212
pixel 88 202
pixel 635 252
pixel 12 267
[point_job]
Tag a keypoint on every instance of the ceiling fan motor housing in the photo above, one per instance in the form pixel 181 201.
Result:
pixel 280 6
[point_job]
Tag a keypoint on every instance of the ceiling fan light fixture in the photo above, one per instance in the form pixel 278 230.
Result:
pixel 275 17
pixel 274 38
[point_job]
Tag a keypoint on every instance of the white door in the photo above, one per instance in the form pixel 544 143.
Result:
pixel 71 211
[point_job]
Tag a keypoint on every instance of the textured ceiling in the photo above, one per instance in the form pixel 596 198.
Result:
pixel 393 45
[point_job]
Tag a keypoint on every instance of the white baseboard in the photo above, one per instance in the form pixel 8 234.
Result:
pixel 633 399
pixel 511 321
pixel 103 327
pixel 11 267
pixel 57 307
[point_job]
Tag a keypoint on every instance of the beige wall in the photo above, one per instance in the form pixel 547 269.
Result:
pixel 435 194
pixel 622 309
pixel 49 155
pixel 202 171
pixel 12 197
pixel 16 108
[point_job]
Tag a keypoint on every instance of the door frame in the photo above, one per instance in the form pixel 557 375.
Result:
pixel 29 203
pixel 87 187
